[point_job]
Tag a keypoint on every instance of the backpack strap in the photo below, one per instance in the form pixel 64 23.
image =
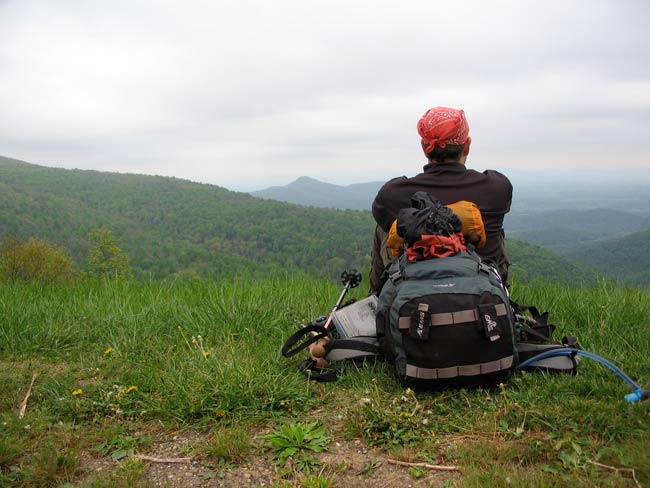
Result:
pixel 355 349
pixel 534 338
pixel 395 272
pixel 552 364
pixel 451 318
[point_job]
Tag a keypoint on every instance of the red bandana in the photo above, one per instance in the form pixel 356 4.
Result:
pixel 434 246
pixel 441 126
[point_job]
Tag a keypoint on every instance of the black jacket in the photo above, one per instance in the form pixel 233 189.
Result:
pixel 450 182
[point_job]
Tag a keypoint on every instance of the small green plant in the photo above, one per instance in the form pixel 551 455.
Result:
pixel 52 468
pixel 388 423
pixel 229 444
pixel 317 482
pixel 417 472
pixel 370 467
pixel 298 441
pixel 120 445
pixel 131 472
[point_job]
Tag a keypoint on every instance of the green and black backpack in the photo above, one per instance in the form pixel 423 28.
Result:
pixel 447 322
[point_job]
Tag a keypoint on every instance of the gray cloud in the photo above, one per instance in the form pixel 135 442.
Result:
pixel 250 93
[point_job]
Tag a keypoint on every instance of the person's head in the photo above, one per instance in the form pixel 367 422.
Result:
pixel 445 135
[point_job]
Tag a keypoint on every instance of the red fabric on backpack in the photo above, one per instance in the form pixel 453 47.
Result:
pixel 433 246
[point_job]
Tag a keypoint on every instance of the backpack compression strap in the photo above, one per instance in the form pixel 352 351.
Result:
pixel 344 351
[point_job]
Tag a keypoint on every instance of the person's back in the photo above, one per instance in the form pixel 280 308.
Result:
pixel 446 142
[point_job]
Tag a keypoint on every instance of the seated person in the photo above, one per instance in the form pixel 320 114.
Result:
pixel 445 140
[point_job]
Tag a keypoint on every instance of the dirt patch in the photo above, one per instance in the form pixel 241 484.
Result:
pixel 347 463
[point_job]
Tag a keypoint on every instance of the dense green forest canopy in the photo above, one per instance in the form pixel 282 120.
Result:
pixel 626 258
pixel 169 226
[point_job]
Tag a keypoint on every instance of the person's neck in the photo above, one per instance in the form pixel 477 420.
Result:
pixel 447 161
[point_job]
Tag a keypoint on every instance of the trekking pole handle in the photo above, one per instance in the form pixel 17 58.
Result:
pixel 351 279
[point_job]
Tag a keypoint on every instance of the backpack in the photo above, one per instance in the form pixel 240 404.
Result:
pixel 446 322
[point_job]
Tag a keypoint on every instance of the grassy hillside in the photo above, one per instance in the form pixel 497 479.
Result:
pixel 191 370
pixel 626 258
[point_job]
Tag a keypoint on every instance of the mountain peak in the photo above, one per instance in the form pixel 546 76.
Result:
pixel 305 179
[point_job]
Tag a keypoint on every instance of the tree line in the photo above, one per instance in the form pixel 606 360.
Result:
pixel 36 260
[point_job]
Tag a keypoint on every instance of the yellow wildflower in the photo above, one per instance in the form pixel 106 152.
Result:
pixel 108 350
pixel 131 388
pixel 206 354
pixel 77 392
pixel 220 413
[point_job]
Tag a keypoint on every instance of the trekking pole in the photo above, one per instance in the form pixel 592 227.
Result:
pixel 315 331
pixel 350 279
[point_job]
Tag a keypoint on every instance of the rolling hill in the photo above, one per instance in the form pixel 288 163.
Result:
pixel 529 262
pixel 626 258
pixel 564 231
pixel 170 226
pixel 308 191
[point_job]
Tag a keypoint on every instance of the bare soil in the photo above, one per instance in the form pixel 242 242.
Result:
pixel 349 463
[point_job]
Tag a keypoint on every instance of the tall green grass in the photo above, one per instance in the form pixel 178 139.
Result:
pixel 195 347
pixel 202 353
pixel 191 348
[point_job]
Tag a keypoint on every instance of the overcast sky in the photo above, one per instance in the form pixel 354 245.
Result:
pixel 247 94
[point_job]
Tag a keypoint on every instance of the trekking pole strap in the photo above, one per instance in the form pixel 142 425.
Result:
pixel 315 333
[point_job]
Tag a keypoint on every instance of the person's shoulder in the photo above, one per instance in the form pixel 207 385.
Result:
pixel 497 177
pixel 392 183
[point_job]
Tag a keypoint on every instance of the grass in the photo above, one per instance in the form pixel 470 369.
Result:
pixel 149 356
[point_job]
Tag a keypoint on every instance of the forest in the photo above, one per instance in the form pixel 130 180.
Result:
pixel 173 227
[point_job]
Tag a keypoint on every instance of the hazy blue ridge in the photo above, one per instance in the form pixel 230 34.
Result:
pixel 308 191
pixel 567 231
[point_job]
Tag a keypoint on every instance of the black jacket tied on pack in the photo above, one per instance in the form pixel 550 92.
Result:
pixel 426 216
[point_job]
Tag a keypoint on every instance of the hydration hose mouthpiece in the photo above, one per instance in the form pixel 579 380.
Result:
pixel 637 396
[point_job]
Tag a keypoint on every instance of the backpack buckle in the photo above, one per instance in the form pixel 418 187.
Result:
pixel 395 273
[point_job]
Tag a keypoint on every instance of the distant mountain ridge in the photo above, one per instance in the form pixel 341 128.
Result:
pixel 311 192
pixel 536 217
pixel 530 195
pixel 566 231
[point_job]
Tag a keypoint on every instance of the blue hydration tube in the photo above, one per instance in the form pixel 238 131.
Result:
pixel 639 393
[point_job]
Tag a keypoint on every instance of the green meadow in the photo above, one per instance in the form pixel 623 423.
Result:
pixel 118 366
